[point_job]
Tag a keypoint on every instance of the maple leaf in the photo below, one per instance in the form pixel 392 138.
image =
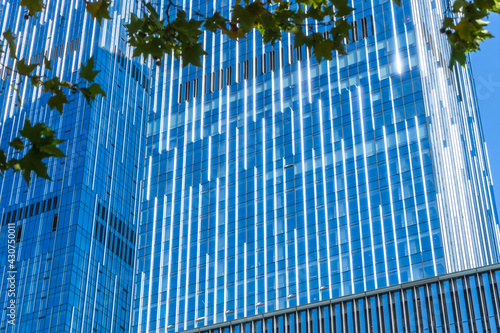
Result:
pixel 191 54
pixel 91 92
pixel 57 101
pixel 33 6
pixel 24 69
pixel 99 10
pixel 17 144
pixel 11 42
pixel 87 72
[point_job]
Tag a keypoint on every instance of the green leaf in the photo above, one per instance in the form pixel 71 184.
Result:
pixel 57 101
pixel 33 6
pixel 154 47
pixel 496 7
pixel 11 42
pixel 465 29
pixel 36 80
pixel 485 4
pixel 99 10
pixel 457 55
pixel 323 48
pixel 268 27
pixel 152 11
pixel 18 95
pixel 342 7
pixel 23 68
pixel 52 150
pixel 30 132
pixel 135 24
pixel 247 16
pixel 66 84
pixel 43 143
pixel 95 89
pixel 17 144
pixel 46 63
pixel 32 161
pixel 233 34
pixel 52 85
pixel 342 28
pixel 87 72
pixel 3 162
pixel 215 22
pixel 14 164
pixel 186 31
pixel 192 55
pixel 448 23
pixel 39 134
pixel 319 9
pixel 301 39
pixel 458 4
pixel 91 92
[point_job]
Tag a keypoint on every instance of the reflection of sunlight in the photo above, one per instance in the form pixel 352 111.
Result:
pixel 398 60
pixel 398 63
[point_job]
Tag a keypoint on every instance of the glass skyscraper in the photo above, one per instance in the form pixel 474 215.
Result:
pixel 273 181
pixel 263 192
pixel 75 234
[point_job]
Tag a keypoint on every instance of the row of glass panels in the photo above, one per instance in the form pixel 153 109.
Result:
pixel 468 303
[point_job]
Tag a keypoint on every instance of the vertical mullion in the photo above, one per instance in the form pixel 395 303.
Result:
pixel 482 302
pixel 494 296
pixel 417 309
pixel 368 317
pixel 442 307
pixel 404 302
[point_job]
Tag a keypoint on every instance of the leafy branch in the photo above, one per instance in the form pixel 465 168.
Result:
pixel 42 144
pixel 42 140
pixel 179 36
pixel 151 36
pixel 465 27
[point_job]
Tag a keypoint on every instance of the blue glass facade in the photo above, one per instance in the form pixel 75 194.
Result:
pixel 256 183
pixel 75 246
pixel 464 302
pixel 272 181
